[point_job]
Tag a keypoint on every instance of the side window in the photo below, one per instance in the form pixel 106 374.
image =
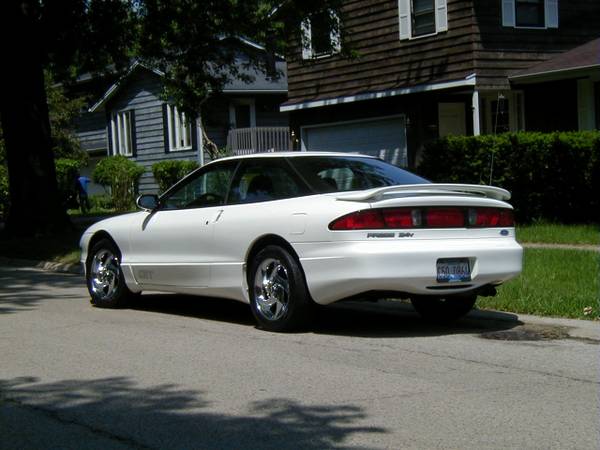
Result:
pixel 208 188
pixel 530 13
pixel 320 35
pixel 264 180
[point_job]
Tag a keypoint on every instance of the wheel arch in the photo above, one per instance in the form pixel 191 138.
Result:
pixel 97 237
pixel 264 241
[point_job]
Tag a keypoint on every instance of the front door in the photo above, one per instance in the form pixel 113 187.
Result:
pixel 174 245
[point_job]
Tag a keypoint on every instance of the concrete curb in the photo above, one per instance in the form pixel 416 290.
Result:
pixel 43 265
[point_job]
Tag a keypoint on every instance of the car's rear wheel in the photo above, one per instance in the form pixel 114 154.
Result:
pixel 442 309
pixel 105 280
pixel 278 294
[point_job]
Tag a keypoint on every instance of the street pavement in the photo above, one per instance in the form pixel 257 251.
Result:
pixel 176 372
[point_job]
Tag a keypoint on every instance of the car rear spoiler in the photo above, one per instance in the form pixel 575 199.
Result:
pixel 410 190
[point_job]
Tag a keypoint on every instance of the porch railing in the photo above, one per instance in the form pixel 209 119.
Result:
pixel 245 141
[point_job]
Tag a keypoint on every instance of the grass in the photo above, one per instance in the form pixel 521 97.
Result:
pixel 554 282
pixel 549 233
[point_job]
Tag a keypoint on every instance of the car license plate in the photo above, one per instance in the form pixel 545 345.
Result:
pixel 453 270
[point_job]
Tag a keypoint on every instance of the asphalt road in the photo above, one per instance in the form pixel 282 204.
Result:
pixel 185 373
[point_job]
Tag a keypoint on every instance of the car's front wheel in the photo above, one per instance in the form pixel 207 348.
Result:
pixel 105 280
pixel 278 295
pixel 441 309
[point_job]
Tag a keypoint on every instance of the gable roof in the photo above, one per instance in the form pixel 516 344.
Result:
pixel 581 59
pixel 260 83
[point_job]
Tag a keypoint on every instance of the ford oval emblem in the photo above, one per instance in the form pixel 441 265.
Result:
pixel 504 232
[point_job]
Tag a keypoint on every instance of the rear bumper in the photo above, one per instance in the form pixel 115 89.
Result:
pixel 337 270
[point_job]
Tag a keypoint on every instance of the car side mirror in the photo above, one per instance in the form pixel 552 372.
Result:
pixel 147 202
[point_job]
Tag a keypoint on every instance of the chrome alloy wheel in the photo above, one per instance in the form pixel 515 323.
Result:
pixel 105 274
pixel 272 289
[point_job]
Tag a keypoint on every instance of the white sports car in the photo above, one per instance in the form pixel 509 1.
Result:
pixel 286 231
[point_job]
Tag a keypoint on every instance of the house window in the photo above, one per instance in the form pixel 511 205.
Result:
pixel 179 129
pixel 320 35
pixel 422 18
pixel 530 13
pixel 500 115
pixel 121 128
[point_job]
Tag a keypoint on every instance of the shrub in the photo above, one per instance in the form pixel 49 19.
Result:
pixel 67 171
pixel 552 176
pixel 167 173
pixel 122 176
pixel 101 202
pixel 4 196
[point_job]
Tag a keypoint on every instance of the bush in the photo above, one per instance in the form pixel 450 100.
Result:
pixel 67 171
pixel 122 176
pixel 4 196
pixel 552 176
pixel 167 173
pixel 101 202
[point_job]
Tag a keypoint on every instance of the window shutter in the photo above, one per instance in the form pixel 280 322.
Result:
pixel 165 127
pixel 404 18
pixel 133 133
pixel 441 15
pixel 109 135
pixel 194 133
pixel 508 13
pixel 551 8
pixel 335 36
pixel 305 39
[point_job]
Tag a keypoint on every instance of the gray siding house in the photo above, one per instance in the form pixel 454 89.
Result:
pixel 131 119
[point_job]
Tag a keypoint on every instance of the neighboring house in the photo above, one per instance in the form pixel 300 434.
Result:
pixel 131 119
pixel 430 68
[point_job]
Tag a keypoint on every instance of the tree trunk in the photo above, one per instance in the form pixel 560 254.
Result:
pixel 35 205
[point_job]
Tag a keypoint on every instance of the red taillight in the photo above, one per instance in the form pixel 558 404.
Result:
pixel 361 220
pixel 436 217
pixel 491 217
pixel 444 217
pixel 398 218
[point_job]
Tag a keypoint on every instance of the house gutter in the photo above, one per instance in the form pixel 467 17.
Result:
pixel 469 81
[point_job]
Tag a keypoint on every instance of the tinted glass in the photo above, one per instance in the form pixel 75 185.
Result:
pixel 265 179
pixel 207 188
pixel 530 13
pixel 339 173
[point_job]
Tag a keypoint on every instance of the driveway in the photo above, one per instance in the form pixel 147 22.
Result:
pixel 181 372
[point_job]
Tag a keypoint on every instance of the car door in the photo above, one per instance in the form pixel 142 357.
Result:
pixel 173 246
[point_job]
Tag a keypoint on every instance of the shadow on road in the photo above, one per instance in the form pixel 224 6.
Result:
pixel 371 320
pixel 116 410
pixel 23 289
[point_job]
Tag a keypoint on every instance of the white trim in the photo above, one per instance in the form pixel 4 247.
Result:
pixel 476 113
pixel 471 80
pixel 550 73
pixel 200 140
pixel 176 124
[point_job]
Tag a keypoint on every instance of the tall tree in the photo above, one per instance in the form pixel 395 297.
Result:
pixel 184 38
pixel 70 37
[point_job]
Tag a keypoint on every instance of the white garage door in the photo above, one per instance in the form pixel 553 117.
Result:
pixel 384 138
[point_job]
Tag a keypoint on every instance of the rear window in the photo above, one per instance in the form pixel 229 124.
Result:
pixel 340 173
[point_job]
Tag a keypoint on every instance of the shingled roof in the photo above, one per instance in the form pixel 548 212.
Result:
pixel 580 59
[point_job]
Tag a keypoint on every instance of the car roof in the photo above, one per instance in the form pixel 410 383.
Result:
pixel 295 154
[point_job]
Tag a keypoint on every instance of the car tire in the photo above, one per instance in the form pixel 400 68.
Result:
pixel 279 297
pixel 443 310
pixel 104 277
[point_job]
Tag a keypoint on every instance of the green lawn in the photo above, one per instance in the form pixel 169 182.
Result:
pixel 554 282
pixel 548 233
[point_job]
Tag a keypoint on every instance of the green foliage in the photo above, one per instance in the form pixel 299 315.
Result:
pixel 67 172
pixel 552 176
pixel 554 282
pixel 167 173
pixel 122 176
pixel 101 202
pixel 4 196
pixel 62 112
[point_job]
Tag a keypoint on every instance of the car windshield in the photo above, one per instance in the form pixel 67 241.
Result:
pixel 351 173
